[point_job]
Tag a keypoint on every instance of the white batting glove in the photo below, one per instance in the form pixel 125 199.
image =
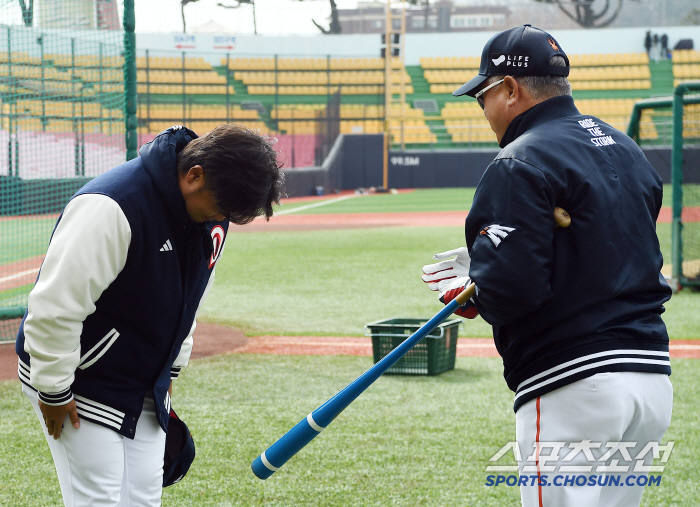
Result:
pixel 441 276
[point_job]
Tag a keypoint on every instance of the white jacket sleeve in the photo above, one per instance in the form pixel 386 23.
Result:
pixel 183 358
pixel 87 251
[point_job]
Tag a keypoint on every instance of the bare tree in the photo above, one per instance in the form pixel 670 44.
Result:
pixel 590 13
pixel 182 11
pixel 237 5
pixel 27 12
pixel 426 11
pixel 692 17
pixel 334 25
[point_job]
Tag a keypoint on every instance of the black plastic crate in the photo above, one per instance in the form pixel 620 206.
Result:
pixel 434 354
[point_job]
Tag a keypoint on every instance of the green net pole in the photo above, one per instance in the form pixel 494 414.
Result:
pixel 40 41
pixel 228 96
pixel 148 90
pixel 10 167
pixel 130 80
pixel 184 91
pixel 677 182
pixel 633 127
pixel 636 117
pixel 677 176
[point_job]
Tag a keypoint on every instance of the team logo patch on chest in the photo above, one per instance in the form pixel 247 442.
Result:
pixel 497 233
pixel 217 238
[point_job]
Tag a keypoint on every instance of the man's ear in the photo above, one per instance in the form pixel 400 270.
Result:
pixel 195 175
pixel 513 88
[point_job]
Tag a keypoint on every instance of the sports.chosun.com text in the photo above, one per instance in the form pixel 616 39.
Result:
pixel 573 480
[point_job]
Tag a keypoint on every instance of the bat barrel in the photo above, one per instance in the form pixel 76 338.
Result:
pixel 308 428
pixel 291 443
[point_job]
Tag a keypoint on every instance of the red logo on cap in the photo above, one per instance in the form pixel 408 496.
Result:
pixel 553 44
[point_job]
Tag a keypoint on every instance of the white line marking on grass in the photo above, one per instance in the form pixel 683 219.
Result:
pixel 316 204
pixel 19 275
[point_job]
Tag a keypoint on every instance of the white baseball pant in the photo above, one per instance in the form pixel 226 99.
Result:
pixel 98 467
pixel 605 409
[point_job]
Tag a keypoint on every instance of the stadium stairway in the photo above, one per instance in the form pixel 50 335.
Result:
pixel 421 91
pixel 661 77
pixel 238 86
pixel 421 87
pixel 242 95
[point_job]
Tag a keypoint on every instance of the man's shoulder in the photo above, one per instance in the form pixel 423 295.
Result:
pixel 576 132
pixel 119 182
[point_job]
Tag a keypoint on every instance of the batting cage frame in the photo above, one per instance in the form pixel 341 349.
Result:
pixel 68 107
pixel 684 273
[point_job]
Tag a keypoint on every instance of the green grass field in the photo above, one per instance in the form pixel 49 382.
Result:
pixel 334 282
pixel 24 238
pixel 439 199
pixel 408 441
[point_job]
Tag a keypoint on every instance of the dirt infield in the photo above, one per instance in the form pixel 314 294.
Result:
pixel 211 339
pixel 356 220
pixel 19 273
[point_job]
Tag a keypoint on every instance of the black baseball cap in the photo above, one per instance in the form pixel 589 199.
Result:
pixel 179 450
pixel 520 51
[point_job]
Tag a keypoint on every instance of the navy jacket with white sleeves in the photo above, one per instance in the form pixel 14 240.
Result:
pixel 568 303
pixel 111 316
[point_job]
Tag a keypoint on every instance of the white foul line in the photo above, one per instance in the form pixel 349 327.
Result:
pixel 19 275
pixel 316 204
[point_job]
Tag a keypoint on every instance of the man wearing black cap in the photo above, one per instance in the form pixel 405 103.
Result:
pixel 576 312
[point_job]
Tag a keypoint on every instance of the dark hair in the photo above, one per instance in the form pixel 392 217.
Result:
pixel 543 87
pixel 240 169
pixel 546 87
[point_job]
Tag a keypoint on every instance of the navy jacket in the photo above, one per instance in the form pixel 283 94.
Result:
pixel 568 303
pixel 129 343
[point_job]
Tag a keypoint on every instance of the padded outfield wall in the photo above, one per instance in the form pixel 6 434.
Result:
pixel 356 161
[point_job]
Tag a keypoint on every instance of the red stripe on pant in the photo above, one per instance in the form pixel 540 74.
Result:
pixel 537 452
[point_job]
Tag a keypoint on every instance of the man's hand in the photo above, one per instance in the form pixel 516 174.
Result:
pixel 452 289
pixel 440 275
pixel 55 415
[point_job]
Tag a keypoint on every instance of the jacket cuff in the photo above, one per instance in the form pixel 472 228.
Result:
pixel 174 372
pixel 56 399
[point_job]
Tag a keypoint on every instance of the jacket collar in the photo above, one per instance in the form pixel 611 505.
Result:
pixel 550 109
pixel 159 157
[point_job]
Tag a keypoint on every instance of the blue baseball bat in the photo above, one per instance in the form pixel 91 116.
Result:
pixel 308 428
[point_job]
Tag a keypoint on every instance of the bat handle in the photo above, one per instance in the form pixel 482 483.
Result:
pixel 466 294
